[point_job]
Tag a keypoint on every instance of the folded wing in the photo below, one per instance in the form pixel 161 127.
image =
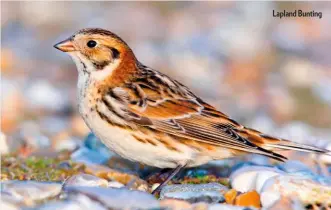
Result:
pixel 171 108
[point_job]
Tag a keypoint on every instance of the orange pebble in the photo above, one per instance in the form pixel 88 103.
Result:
pixel 251 198
pixel 230 196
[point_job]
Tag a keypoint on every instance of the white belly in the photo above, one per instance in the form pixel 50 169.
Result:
pixel 124 144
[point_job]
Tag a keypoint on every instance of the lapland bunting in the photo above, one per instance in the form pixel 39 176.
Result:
pixel 146 116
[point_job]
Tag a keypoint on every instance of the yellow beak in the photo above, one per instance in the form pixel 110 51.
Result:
pixel 65 46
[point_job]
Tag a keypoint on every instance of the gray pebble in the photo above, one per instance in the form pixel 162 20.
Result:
pixel 210 193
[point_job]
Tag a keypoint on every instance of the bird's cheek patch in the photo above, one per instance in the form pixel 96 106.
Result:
pixel 100 65
pixel 115 53
pixel 101 60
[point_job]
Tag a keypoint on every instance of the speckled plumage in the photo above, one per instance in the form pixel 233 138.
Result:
pixel 145 116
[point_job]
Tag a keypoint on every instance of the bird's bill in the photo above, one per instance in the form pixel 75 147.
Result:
pixel 65 46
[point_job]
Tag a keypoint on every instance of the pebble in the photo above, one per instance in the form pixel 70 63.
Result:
pixel 113 198
pixel 249 178
pixel 64 141
pixel 294 167
pixel 48 98
pixel 251 198
pixel 286 203
pixel 76 202
pixel 129 180
pixel 10 202
pixel 4 148
pixel 94 144
pixel 230 196
pixel 8 206
pixel 32 135
pixel 86 180
pixel 259 160
pixel 302 188
pixel 268 199
pixel 53 125
pixel 154 186
pixel 175 204
pixel 12 104
pixel 85 155
pixel 97 170
pixel 31 191
pixel 193 193
pixel 227 207
pixel 115 184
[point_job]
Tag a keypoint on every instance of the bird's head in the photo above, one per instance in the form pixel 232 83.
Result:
pixel 96 50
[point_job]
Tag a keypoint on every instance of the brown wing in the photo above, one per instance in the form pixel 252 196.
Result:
pixel 171 108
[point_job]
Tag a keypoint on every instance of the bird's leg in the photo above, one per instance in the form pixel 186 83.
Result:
pixel 172 174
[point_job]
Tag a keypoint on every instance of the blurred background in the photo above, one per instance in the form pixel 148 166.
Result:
pixel 268 73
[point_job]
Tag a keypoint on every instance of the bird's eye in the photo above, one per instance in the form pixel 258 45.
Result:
pixel 91 43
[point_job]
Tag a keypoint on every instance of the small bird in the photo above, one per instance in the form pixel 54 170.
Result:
pixel 145 116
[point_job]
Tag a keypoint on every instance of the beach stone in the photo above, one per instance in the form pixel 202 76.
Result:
pixel 193 193
pixel 117 198
pixel 31 191
pixel 48 98
pixel 294 167
pixel 230 196
pixel 259 160
pixel 64 141
pixel 86 155
pixel 115 184
pixel 250 178
pixel 286 203
pixel 8 206
pixel 251 198
pixel 32 136
pixel 86 180
pixel 227 207
pixel 154 186
pixel 94 144
pixel 268 199
pixel 10 202
pixel 299 169
pixel 97 170
pixel 12 101
pixel 297 187
pixel 51 125
pixel 4 148
pixel 200 206
pixel 76 202
pixel 129 180
pixel 175 204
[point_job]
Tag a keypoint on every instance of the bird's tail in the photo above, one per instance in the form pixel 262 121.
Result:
pixel 274 144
